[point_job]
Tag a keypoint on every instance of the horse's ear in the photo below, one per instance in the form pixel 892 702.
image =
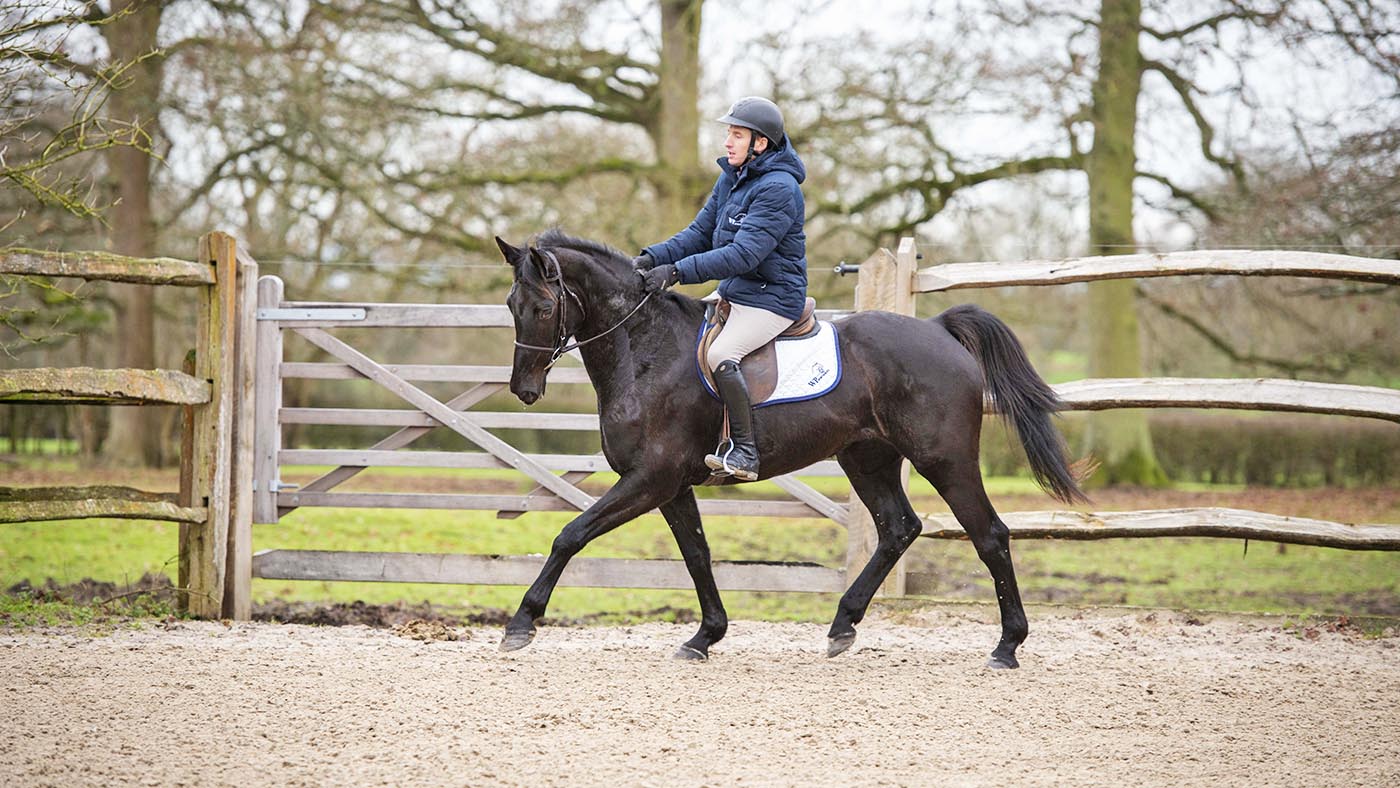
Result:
pixel 511 253
pixel 537 257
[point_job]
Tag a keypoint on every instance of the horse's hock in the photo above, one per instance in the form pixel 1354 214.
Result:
pixel 233 450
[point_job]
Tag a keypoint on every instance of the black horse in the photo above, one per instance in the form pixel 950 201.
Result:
pixel 911 389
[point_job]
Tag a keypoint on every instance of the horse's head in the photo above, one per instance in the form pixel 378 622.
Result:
pixel 546 314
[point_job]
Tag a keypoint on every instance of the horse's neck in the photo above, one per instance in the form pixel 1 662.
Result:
pixel 646 345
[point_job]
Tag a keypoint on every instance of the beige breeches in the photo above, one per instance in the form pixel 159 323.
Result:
pixel 747 329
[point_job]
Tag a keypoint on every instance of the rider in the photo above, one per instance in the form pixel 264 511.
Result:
pixel 749 235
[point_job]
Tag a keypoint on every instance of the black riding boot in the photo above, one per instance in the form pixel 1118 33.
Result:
pixel 739 457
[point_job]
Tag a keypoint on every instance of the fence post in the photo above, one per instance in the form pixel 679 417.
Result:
pixel 204 546
pixel 238 602
pixel 885 282
pixel 267 441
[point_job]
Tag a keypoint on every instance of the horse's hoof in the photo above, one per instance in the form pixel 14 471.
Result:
pixel 839 644
pixel 690 654
pixel 1003 663
pixel 514 641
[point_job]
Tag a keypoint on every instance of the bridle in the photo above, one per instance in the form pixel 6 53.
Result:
pixel 561 341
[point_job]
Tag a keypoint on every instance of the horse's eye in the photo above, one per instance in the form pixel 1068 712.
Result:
pixel 544 312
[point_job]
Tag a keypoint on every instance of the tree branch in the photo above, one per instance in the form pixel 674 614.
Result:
pixel 936 193
pixel 1191 198
pixel 1184 89
pixel 1213 23
pixel 1221 344
pixel 590 71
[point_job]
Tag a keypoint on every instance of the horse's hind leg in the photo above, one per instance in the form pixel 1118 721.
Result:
pixel 960 484
pixel 683 516
pixel 874 471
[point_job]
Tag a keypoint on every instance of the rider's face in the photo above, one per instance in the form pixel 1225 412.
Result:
pixel 736 145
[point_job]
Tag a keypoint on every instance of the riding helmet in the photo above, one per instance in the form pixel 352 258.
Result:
pixel 757 114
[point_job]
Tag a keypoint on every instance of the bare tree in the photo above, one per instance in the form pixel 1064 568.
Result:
pixel 523 92
pixel 54 107
pixel 1078 83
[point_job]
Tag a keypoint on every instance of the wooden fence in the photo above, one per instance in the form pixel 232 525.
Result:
pixel 214 458
pixel 1104 394
pixel 232 454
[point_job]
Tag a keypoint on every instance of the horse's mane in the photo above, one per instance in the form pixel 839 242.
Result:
pixel 555 237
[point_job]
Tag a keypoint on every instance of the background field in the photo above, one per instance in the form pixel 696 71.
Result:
pixel 1199 574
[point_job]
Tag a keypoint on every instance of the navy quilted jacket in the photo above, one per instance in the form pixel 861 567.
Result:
pixel 749 235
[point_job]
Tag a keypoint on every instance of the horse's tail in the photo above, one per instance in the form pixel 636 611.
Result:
pixel 1019 394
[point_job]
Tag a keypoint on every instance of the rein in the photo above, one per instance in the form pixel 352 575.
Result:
pixel 561 343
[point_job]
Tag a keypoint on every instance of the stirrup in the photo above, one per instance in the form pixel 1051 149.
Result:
pixel 715 461
pixel 719 464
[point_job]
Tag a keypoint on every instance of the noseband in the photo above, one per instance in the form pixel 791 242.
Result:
pixel 561 341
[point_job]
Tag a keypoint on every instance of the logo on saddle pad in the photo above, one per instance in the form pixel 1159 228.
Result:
pixel 787 369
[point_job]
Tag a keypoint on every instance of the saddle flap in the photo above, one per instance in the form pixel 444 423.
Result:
pixel 760 368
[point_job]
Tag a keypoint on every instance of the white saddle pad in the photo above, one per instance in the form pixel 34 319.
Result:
pixel 808 367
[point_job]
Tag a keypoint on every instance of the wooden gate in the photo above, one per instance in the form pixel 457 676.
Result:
pixel 314 322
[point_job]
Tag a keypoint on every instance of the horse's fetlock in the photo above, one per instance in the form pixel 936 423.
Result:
pixel 715 630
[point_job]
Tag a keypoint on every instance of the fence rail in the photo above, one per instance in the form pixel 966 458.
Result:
pixel 1242 262
pixel 35 504
pixel 104 266
pixel 88 386
pixel 1211 521
pixel 522 571
pixel 1254 394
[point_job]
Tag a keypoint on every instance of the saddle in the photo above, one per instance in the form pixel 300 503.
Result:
pixel 760 367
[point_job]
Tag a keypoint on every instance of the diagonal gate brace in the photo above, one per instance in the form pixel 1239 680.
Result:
pixel 453 420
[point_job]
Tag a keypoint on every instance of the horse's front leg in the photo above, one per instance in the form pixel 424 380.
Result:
pixel 683 515
pixel 633 495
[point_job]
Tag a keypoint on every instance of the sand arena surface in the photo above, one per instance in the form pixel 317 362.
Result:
pixel 1140 698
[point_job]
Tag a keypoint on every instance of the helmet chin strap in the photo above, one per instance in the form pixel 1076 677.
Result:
pixel 753 139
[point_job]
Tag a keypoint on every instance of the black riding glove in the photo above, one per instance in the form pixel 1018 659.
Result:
pixel 660 277
pixel 643 263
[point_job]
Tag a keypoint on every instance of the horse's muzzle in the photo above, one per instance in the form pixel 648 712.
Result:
pixel 527 388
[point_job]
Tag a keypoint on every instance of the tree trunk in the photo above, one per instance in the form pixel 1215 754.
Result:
pixel 675 127
pixel 1118 439
pixel 135 436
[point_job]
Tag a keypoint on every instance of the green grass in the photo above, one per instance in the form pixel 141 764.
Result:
pixel 40 607
pixel 1178 573
pixel 122 551
pixel 1198 574
pixel 24 611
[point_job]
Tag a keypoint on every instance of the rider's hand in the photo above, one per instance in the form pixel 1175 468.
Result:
pixel 642 263
pixel 660 277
